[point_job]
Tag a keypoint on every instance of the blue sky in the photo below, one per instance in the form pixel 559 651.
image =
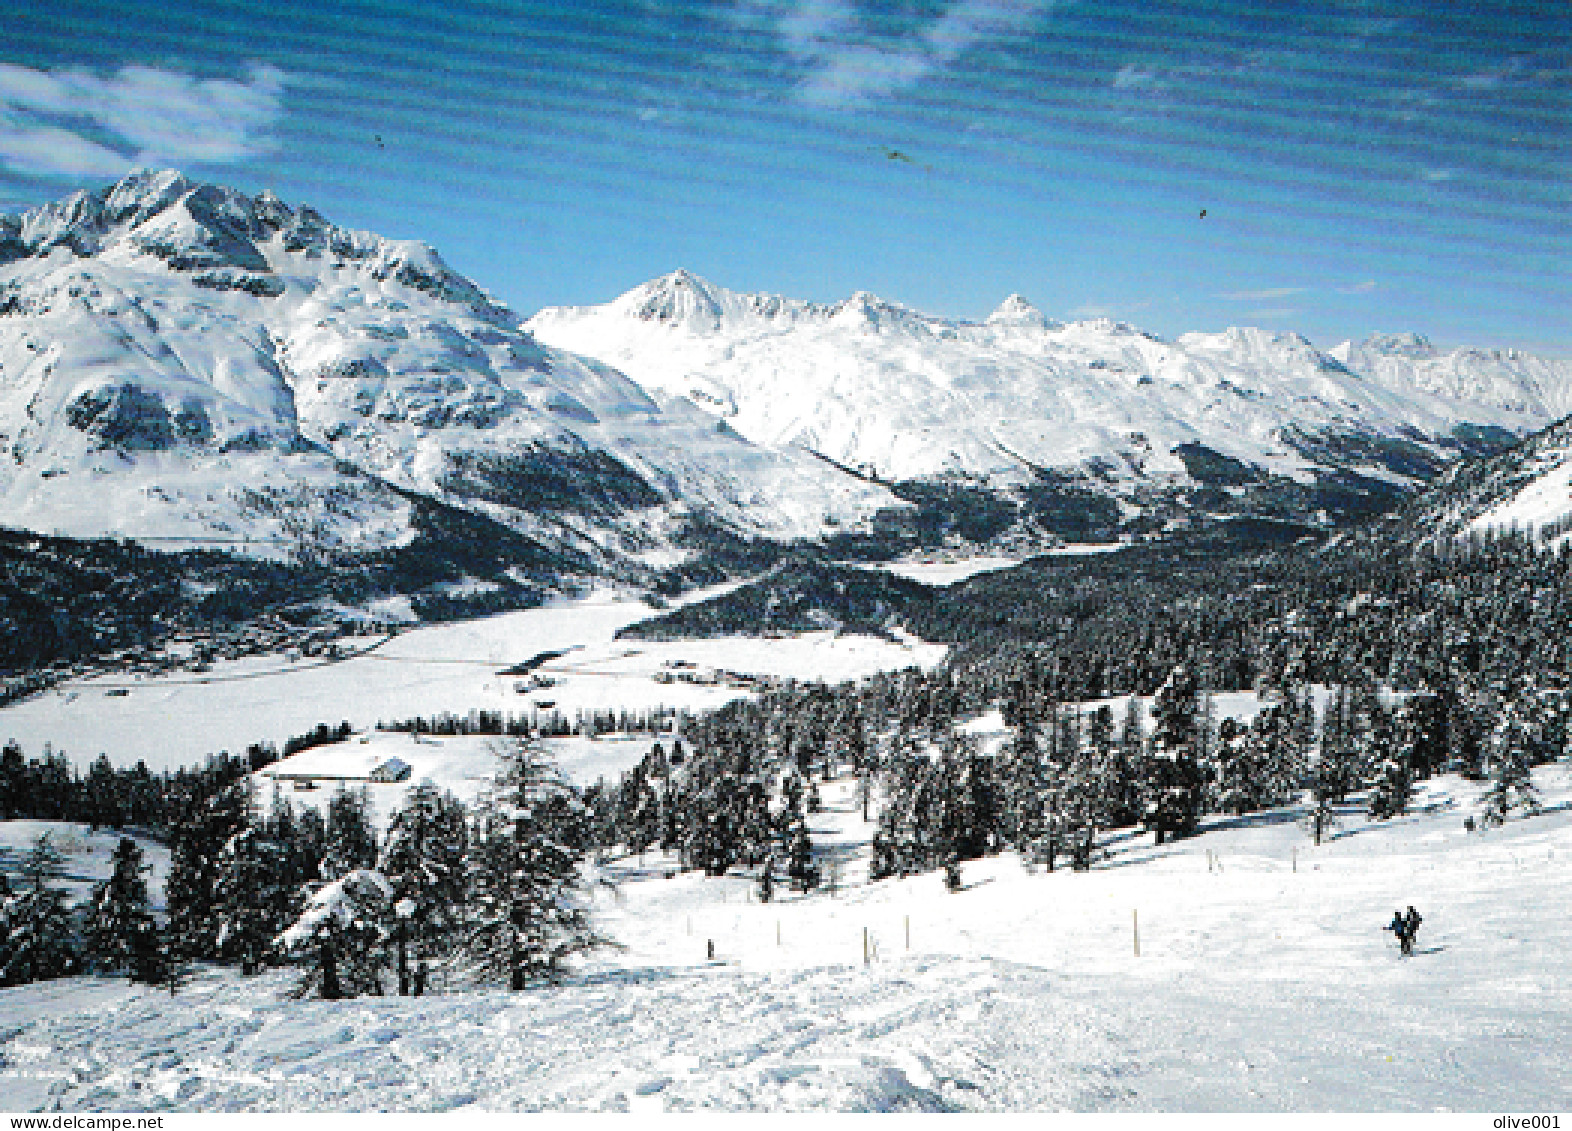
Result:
pixel 1363 166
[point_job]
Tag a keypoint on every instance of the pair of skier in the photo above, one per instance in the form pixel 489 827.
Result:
pixel 1405 927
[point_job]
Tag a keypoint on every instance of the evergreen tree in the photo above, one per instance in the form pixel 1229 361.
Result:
pixel 1176 785
pixel 423 859
pixel 1023 777
pixel 340 937
pixel 251 899
pixel 39 942
pixel 1126 775
pixel 1092 788
pixel 150 962
pixel 1337 769
pixel 191 889
pixel 800 868
pixel 1239 770
pixel 1511 758
pixel 1390 778
pixel 118 927
pixel 527 909
pixel 351 843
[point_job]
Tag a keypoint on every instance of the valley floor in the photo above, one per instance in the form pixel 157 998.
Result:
pixel 177 719
pixel 1264 983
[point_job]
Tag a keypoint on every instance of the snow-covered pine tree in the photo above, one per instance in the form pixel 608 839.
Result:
pixel 1206 753
pixel 251 899
pixel 1391 781
pixel 423 859
pixel 800 868
pixel 1237 767
pixel 1176 784
pixel 896 849
pixel 1128 759
pixel 117 923
pixel 1022 775
pixel 150 962
pixel 527 911
pixel 1057 830
pixel 351 843
pixel 39 940
pixel 1337 767
pixel 1421 727
pixel 1092 787
pixel 1277 756
pixel 190 891
pixel 340 937
pixel 1322 817
pixel 1512 745
pixel 968 807
pixel 300 838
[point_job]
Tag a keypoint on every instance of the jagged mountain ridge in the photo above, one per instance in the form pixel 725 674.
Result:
pixel 1526 489
pixel 898 394
pixel 184 361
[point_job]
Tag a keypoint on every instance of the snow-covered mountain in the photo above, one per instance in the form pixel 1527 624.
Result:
pixel 1527 489
pixel 183 361
pixel 898 394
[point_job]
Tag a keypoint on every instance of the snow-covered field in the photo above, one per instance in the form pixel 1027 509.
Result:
pixel 947 570
pixel 464 765
pixel 87 855
pixel 1264 983
pixel 179 719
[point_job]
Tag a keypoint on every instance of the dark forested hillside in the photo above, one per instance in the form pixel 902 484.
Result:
pixel 66 600
pixel 801 595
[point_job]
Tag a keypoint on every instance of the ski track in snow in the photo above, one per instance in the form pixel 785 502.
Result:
pixel 1264 985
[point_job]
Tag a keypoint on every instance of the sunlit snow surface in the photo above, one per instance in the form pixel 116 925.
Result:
pixel 181 718
pixel 1258 987
pixel 947 570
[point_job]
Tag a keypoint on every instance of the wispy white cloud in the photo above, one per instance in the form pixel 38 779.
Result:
pixel 1274 314
pixel 1361 288
pixel 849 66
pixel 1131 77
pixel 28 146
pixel 1262 296
pixel 76 122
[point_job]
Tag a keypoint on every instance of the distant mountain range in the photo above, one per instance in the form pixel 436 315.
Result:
pixel 1242 421
pixel 188 365
pixel 180 361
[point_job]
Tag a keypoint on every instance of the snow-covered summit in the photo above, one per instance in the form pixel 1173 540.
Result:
pixel 184 360
pixel 1017 311
pixel 876 385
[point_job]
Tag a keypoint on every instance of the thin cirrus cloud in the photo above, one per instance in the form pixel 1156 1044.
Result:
pixel 849 66
pixel 78 123
pixel 1262 296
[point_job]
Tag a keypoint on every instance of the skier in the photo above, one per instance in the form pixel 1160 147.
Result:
pixel 1412 921
pixel 1399 927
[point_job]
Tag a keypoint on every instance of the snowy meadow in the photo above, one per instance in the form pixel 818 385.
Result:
pixel 1264 982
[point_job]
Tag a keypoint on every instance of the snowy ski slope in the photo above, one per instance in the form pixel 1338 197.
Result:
pixel 1264 983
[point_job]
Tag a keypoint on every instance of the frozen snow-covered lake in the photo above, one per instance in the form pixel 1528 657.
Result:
pixel 179 719
pixel 942 571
